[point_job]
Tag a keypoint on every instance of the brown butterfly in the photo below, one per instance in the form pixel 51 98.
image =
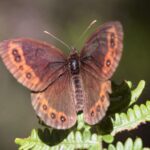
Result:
pixel 62 86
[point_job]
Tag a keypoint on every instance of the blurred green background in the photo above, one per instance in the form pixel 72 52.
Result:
pixel 68 19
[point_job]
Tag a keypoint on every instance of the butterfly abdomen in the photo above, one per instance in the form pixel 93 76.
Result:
pixel 78 92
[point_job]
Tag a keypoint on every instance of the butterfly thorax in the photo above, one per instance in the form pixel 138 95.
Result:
pixel 74 63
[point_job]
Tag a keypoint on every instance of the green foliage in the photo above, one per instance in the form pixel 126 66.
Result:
pixel 135 93
pixel 73 140
pixel 129 145
pixel 126 116
pixel 132 118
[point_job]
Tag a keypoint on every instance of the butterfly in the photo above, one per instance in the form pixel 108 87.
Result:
pixel 61 86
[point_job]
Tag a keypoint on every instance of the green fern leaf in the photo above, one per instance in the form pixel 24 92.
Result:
pixel 75 140
pixel 129 145
pixel 131 119
pixel 125 95
pixel 135 93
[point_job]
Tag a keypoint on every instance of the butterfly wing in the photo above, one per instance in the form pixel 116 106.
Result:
pixel 99 58
pixel 55 106
pixel 102 51
pixel 33 63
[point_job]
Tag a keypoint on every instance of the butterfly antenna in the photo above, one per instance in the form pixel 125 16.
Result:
pixel 56 38
pixel 85 31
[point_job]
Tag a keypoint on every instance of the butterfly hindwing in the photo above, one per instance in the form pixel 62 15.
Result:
pixel 55 106
pixel 33 63
pixel 103 50
pixel 97 98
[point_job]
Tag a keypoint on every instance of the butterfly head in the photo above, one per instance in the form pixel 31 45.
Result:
pixel 73 51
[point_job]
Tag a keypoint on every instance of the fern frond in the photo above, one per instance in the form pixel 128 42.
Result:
pixel 135 93
pixel 134 117
pixel 75 140
pixel 128 145
pixel 124 95
pixel 31 142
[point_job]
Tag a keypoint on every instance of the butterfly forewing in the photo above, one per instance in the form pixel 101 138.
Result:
pixel 55 106
pixel 103 50
pixel 33 63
